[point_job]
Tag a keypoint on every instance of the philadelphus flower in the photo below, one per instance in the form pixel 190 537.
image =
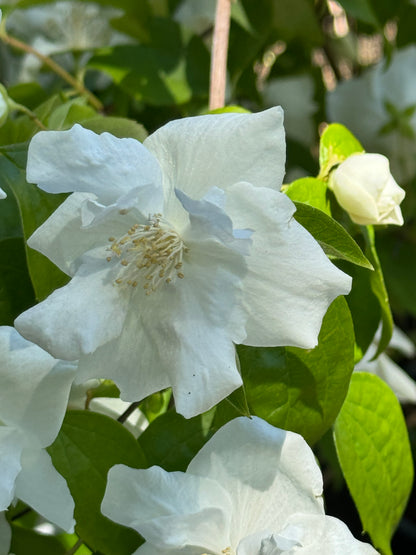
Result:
pixel 365 188
pixel 179 248
pixel 251 490
pixel 34 389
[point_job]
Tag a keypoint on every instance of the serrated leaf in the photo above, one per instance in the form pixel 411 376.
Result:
pixel 374 452
pixel 302 390
pixel 337 143
pixel 332 237
pixel 310 190
pixel 87 446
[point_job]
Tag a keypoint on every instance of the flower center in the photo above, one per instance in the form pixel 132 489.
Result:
pixel 153 251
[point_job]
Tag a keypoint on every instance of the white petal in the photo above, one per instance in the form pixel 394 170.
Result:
pixel 34 387
pixel 327 535
pixel 269 474
pixel 2 194
pixel 80 160
pixel 169 509
pixel 74 320
pixel 386 369
pixel 5 532
pixel 43 488
pixel 218 150
pixel 182 334
pixel 290 281
pixel 11 446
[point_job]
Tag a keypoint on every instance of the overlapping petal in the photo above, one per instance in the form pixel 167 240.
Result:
pixel 80 160
pixel 41 486
pixel 290 282
pixel 251 490
pixel 176 509
pixel 198 153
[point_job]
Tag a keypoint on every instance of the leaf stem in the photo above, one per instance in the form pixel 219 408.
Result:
pixel 75 547
pixel 219 53
pixel 123 417
pixel 56 68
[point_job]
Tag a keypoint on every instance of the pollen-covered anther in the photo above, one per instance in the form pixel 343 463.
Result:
pixel 150 254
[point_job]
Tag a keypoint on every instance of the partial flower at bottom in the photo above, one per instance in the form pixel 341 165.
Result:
pixel 251 490
pixel 34 390
pixel 178 249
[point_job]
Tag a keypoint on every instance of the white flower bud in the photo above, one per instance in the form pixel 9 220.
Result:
pixel 365 188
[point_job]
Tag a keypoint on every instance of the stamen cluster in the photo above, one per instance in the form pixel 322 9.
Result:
pixel 153 251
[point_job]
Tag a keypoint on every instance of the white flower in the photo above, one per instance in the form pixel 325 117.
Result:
pixel 160 300
pixel 365 188
pixel 251 490
pixel 379 108
pixel 34 391
pixel 385 368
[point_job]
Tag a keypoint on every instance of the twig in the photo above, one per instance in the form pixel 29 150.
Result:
pixel 123 417
pixel 75 547
pixel 218 74
pixel 78 86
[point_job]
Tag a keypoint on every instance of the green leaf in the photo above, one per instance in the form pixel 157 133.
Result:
pixel 362 10
pixel 332 237
pixel 310 190
pixel 171 441
pixel 302 390
pixel 35 206
pixel 26 541
pixel 379 289
pixel 374 452
pixel 155 75
pixel 119 127
pixel 337 143
pixel 87 446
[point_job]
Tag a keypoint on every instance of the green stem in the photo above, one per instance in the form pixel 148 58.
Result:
pixel 56 68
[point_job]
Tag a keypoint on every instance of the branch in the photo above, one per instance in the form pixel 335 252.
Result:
pixel 218 74
pixel 56 68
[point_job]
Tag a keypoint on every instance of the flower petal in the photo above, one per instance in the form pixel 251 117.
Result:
pixel 81 160
pixel 269 474
pixel 290 282
pixel 34 387
pixel 169 509
pixel 218 150
pixel 11 446
pixel 74 320
pixel 43 488
pixel 327 535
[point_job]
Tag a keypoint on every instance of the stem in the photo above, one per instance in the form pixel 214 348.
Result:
pixel 123 417
pixel 218 74
pixel 75 547
pixel 78 86
pixel 29 113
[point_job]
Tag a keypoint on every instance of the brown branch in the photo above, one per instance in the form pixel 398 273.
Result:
pixel 56 68
pixel 219 53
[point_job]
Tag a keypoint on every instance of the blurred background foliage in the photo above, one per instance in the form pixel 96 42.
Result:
pixel 351 61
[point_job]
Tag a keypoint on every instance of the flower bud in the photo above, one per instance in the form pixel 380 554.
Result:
pixel 365 188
